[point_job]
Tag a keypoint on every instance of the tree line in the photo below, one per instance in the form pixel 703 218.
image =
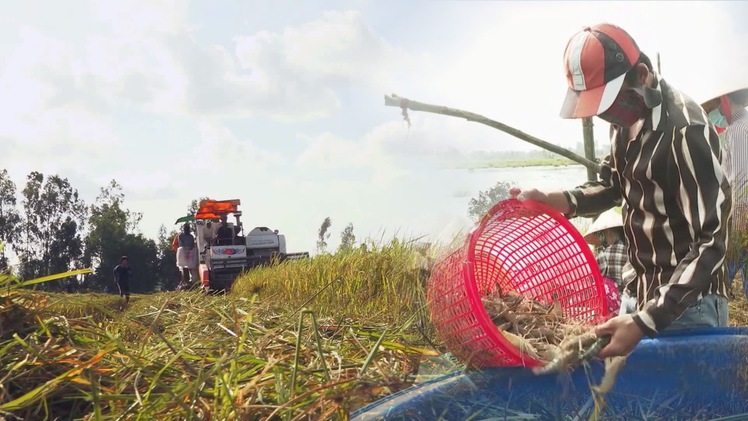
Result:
pixel 51 229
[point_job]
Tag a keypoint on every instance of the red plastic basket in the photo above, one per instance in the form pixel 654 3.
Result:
pixel 522 246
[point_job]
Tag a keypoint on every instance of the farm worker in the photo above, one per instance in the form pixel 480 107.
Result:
pixel 224 235
pixel 607 232
pixel 187 256
pixel 122 274
pixel 664 167
pixel 728 115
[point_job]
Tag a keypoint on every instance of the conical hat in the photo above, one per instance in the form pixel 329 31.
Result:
pixel 611 218
pixel 739 89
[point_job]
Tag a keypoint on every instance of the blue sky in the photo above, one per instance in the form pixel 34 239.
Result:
pixel 281 103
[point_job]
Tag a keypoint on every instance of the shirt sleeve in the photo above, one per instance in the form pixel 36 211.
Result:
pixel 602 263
pixel 595 197
pixel 726 160
pixel 704 197
pixel 734 159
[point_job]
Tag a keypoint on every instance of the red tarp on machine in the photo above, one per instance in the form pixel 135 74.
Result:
pixel 213 209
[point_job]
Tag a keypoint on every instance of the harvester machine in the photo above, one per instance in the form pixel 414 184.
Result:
pixel 222 260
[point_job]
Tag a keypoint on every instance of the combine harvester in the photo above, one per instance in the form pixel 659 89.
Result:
pixel 220 263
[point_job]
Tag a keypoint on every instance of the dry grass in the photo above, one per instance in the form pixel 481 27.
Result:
pixel 385 283
pixel 304 340
pixel 738 306
pixel 537 329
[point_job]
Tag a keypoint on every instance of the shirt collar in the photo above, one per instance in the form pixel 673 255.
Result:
pixel 657 111
pixel 740 113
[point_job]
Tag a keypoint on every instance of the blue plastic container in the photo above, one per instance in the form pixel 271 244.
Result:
pixel 699 375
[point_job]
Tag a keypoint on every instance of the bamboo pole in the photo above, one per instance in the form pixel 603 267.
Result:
pixel 589 145
pixel 407 104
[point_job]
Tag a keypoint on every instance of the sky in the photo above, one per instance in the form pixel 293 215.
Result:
pixel 281 103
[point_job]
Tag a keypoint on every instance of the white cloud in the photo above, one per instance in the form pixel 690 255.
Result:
pixel 301 71
pixel 141 18
pixel 157 64
pixel 327 151
pixel 132 91
pixel 294 75
pixel 511 69
pixel 219 149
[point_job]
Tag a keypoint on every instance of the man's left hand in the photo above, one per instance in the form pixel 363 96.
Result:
pixel 624 334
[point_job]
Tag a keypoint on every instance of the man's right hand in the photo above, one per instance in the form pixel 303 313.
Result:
pixel 556 200
pixel 532 194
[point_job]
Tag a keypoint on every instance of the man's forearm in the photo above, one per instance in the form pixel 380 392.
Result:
pixel 591 199
pixel 558 201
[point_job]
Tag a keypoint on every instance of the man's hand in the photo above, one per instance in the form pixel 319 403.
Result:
pixel 624 333
pixel 556 200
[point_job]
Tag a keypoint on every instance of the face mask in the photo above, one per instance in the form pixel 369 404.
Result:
pixel 603 241
pixel 720 124
pixel 627 109
pixel 717 119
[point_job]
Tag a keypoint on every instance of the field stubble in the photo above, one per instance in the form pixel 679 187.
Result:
pixel 302 340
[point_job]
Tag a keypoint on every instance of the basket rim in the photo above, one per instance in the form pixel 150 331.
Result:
pixel 557 216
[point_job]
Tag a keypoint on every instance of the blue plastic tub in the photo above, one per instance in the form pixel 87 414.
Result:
pixel 699 375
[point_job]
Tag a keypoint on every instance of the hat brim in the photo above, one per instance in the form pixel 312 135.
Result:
pixel 592 102
pixel 712 103
pixel 609 219
pixel 592 239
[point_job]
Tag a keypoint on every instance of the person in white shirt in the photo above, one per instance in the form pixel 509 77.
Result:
pixel 728 115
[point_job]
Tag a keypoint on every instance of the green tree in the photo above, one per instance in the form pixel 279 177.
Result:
pixel 66 250
pixel 323 235
pixel 142 254
pixel 486 199
pixel 54 216
pixel 10 218
pixel 192 208
pixel 168 274
pixel 112 235
pixel 347 239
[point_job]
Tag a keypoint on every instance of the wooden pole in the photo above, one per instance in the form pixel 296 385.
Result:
pixel 407 104
pixel 589 145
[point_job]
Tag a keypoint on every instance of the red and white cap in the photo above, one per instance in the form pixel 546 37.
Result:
pixel 596 61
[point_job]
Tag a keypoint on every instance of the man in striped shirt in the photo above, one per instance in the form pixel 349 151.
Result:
pixel 727 113
pixel 664 168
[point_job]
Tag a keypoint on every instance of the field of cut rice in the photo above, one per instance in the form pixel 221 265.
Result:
pixel 303 340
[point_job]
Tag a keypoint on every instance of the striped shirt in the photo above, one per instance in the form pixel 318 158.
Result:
pixel 676 204
pixel 735 165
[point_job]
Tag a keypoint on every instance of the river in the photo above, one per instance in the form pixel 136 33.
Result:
pixel 436 202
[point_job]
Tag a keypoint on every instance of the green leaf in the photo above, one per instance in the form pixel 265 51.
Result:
pixel 55 276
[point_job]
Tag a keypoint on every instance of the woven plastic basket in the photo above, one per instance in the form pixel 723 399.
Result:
pixel 522 246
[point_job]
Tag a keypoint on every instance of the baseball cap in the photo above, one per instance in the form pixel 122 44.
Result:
pixel 596 60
